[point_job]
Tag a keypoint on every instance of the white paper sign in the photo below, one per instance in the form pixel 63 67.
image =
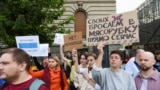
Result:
pixel 59 38
pixel 30 44
pixel 43 51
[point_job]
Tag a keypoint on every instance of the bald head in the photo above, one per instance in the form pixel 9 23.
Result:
pixel 146 61
pixel 149 55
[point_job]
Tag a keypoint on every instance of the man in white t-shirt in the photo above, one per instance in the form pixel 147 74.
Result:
pixel 132 65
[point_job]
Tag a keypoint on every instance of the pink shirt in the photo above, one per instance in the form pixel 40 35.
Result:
pixel 153 81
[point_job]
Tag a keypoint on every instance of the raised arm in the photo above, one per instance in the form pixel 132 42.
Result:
pixel 75 58
pixel 63 58
pixel 100 55
pixel 39 66
pixel 37 74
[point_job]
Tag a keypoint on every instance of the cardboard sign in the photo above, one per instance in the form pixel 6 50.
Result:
pixel 30 44
pixel 113 29
pixel 73 41
pixel 59 38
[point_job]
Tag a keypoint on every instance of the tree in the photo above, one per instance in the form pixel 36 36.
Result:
pixel 31 17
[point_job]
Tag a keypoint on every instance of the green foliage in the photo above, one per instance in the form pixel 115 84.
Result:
pixel 31 17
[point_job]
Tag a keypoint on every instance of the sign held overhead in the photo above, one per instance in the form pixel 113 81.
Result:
pixel 73 41
pixel 113 29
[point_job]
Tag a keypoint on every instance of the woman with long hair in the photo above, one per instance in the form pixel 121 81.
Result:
pixel 84 71
pixel 53 75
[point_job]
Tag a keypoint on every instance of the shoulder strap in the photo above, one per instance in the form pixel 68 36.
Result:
pixel 3 85
pixel 61 76
pixel 36 84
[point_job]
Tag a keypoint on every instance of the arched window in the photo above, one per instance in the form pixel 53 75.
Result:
pixel 80 22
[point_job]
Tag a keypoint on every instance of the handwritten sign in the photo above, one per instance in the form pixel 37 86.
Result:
pixel 59 38
pixel 30 44
pixel 73 41
pixel 113 29
pixel 43 51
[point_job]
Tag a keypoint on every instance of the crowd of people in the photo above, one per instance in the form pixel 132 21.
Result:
pixel 75 71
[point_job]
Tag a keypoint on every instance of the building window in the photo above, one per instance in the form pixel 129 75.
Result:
pixel 80 22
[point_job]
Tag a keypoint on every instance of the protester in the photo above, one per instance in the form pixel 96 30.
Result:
pixel 53 75
pixel 132 65
pixel 91 58
pixel 113 78
pixel 44 61
pixel 83 78
pixel 68 55
pixel 79 81
pixel 69 68
pixel 14 66
pixel 38 65
pixel 148 78
pixel 157 56
pixel 66 61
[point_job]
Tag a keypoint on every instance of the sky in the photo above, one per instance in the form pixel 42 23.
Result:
pixel 127 5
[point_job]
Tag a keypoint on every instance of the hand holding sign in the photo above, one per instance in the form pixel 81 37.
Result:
pixel 100 47
pixel 74 54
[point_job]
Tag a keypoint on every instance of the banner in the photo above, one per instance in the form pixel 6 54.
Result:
pixel 30 44
pixel 73 41
pixel 113 29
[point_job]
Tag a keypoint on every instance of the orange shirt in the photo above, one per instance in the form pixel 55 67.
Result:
pixel 55 78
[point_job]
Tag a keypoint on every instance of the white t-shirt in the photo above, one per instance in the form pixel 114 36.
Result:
pixel 144 84
pixel 85 71
pixel 131 67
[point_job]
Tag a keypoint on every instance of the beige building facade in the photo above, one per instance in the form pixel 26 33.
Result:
pixel 84 9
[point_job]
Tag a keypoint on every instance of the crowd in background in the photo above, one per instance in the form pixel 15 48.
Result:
pixel 79 71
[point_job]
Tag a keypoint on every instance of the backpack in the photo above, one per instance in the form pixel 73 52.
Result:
pixel 34 86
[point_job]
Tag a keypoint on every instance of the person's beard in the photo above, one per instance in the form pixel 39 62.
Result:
pixel 145 68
